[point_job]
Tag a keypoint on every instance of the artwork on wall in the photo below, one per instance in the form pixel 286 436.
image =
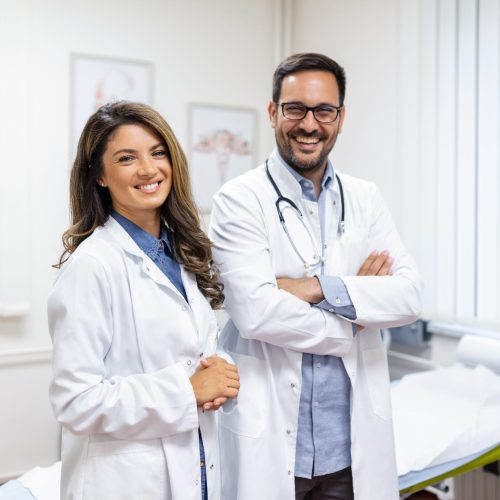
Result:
pixel 97 80
pixel 222 145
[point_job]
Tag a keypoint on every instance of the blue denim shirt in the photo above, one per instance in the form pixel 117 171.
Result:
pixel 159 251
pixel 324 429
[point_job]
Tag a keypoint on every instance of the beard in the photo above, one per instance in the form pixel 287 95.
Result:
pixel 302 163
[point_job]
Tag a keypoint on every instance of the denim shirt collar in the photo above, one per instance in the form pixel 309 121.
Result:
pixel 150 245
pixel 305 184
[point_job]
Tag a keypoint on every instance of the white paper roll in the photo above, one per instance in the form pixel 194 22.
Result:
pixel 475 350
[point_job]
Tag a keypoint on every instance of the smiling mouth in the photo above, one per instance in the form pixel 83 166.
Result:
pixel 148 188
pixel 301 139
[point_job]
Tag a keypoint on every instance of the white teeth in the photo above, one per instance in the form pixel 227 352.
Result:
pixel 148 187
pixel 307 140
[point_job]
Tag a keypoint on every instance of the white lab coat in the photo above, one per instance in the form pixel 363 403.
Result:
pixel 270 329
pixel 125 345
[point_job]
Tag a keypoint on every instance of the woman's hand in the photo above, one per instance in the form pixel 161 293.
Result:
pixel 214 382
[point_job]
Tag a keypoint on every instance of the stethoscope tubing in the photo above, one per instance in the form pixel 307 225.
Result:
pixel 282 198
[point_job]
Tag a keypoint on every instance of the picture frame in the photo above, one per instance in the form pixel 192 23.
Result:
pixel 97 80
pixel 222 145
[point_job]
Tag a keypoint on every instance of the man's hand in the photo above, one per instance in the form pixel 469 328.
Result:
pixel 306 289
pixel 376 264
pixel 309 289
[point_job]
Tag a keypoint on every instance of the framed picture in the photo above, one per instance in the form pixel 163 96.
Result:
pixel 97 80
pixel 222 145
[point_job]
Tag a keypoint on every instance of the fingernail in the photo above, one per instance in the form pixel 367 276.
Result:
pixel 385 253
pixel 374 253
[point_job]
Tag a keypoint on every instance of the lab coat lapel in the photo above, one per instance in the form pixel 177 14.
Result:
pixel 194 299
pixel 147 265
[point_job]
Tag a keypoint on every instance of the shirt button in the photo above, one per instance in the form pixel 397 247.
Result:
pixel 318 365
pixel 316 403
pixel 331 310
pixel 337 301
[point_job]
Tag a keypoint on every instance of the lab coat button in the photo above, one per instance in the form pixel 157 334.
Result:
pixel 288 431
pixel 289 472
pixel 292 385
pixel 197 482
pixel 200 355
pixel 211 466
pixel 189 362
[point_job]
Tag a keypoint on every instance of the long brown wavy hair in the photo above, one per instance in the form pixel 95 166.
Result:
pixel 91 204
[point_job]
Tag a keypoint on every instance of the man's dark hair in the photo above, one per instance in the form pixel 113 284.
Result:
pixel 304 62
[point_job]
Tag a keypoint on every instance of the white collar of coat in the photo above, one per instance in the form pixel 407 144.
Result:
pixel 287 183
pixel 122 237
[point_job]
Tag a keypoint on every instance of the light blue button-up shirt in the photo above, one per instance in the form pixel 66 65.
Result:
pixel 323 434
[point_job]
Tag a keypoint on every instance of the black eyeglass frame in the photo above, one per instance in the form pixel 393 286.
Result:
pixel 307 109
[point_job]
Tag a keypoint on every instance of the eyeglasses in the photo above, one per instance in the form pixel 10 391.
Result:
pixel 324 113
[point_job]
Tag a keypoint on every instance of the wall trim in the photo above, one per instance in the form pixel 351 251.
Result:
pixel 457 330
pixel 14 310
pixel 26 356
pixel 10 476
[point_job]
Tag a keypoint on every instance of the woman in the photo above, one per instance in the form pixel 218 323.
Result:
pixel 131 320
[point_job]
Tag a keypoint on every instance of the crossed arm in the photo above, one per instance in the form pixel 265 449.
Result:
pixel 309 289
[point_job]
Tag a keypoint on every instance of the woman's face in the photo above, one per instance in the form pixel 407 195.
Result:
pixel 137 171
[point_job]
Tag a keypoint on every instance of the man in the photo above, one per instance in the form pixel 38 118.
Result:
pixel 312 267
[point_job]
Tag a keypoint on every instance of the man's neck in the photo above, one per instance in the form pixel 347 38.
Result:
pixel 315 176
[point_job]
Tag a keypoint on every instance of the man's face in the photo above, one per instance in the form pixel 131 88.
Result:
pixel 305 144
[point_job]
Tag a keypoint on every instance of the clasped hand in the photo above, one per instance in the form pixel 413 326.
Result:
pixel 214 381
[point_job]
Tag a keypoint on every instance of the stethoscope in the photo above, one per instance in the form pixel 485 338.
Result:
pixel 318 257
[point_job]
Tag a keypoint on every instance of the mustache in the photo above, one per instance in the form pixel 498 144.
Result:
pixel 302 133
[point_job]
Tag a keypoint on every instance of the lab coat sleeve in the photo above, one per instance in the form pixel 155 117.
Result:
pixel 257 307
pixel 385 301
pixel 85 400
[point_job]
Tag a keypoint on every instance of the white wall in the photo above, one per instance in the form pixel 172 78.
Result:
pixel 201 52
pixel 210 51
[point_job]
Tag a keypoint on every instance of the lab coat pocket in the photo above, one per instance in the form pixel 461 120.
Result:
pixel 249 415
pixel 377 380
pixel 125 469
